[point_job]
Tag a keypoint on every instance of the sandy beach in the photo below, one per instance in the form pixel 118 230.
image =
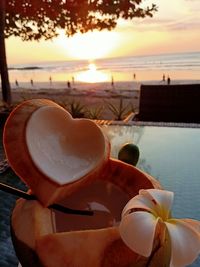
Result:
pixel 95 98
pixel 92 96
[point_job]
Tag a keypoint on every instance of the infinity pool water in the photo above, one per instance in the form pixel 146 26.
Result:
pixel 170 154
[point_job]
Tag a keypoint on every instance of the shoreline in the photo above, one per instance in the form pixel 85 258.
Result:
pixel 119 85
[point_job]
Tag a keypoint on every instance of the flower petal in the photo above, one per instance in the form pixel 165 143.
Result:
pixel 162 199
pixel 193 223
pixel 138 202
pixel 185 242
pixel 137 230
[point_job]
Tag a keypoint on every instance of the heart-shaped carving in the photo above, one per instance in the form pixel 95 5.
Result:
pixel 50 150
pixel 63 148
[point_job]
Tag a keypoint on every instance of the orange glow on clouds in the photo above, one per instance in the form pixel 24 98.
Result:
pixel 174 28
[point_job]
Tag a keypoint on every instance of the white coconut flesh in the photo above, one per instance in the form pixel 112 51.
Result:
pixel 63 148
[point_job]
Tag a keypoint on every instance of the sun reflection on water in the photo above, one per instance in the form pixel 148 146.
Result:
pixel 92 75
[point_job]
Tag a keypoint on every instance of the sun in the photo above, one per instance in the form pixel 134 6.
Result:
pixel 91 45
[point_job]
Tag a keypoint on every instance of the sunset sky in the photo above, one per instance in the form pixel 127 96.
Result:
pixel 174 28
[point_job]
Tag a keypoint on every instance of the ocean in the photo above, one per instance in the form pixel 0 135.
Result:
pixel 180 67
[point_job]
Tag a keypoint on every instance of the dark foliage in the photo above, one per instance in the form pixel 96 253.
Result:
pixel 34 19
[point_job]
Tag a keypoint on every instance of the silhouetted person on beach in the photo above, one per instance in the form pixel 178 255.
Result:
pixel 163 77
pixel 134 76
pixel 16 83
pixel 50 80
pixel 31 82
pixel 112 81
pixel 69 84
pixel 73 80
pixel 168 80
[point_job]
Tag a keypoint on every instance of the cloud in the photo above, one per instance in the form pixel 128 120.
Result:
pixel 190 22
pixel 183 15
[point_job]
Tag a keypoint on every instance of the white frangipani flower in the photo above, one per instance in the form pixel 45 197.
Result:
pixel 147 216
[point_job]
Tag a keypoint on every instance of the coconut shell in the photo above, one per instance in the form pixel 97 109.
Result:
pixel 99 248
pixel 21 162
